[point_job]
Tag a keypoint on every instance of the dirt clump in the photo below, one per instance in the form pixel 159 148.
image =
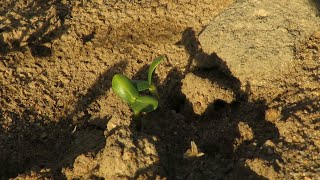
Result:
pixel 201 92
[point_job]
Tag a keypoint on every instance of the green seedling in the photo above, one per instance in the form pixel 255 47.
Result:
pixel 128 90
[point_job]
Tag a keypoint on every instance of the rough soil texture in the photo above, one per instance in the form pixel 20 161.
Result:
pixel 60 119
pixel 257 39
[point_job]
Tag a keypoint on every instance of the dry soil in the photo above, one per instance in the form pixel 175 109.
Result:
pixel 59 118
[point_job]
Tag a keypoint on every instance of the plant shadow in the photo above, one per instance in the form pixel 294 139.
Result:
pixel 216 131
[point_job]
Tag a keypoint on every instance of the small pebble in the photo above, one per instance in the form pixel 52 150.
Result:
pixel 44 135
pixel 270 151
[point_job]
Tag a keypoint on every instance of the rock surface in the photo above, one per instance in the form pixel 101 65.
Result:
pixel 256 38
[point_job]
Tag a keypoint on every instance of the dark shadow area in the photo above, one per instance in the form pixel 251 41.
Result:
pixel 304 112
pixel 39 23
pixel 307 105
pixel 215 131
pixel 34 141
pixel 316 3
pixel 142 74
pixel 31 142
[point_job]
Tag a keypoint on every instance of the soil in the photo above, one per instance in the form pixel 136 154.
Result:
pixel 60 119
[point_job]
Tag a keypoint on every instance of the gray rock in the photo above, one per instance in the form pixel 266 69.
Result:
pixel 256 38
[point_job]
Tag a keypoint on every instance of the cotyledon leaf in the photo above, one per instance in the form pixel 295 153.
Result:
pixel 124 88
pixel 144 104
pixel 152 67
pixel 140 84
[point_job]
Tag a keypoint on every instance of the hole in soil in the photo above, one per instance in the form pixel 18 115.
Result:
pixel 87 38
pixel 177 102
pixel 220 104
pixel 40 51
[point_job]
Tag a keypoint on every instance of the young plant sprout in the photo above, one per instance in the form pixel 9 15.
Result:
pixel 128 90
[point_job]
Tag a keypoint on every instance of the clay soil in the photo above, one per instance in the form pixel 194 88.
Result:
pixel 60 119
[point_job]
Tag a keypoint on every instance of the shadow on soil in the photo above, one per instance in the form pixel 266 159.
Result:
pixel 310 118
pixel 33 141
pixel 215 131
pixel 316 3
pixel 98 89
pixel 38 23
